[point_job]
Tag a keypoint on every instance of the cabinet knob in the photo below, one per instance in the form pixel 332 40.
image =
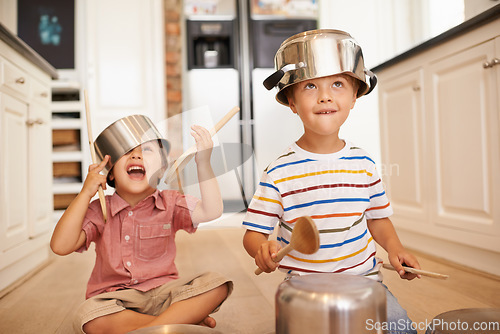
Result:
pixel 493 62
pixel 20 80
pixel 44 94
pixel 416 88
pixel 31 122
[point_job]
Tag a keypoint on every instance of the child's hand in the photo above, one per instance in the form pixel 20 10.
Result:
pixel 266 254
pixel 204 144
pixel 94 178
pixel 403 257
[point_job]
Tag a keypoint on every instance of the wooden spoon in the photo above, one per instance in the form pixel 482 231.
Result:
pixel 102 198
pixel 417 271
pixel 184 158
pixel 305 239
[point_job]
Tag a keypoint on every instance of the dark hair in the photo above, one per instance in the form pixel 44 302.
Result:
pixel 164 162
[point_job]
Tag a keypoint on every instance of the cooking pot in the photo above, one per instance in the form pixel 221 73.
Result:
pixel 330 303
pixel 318 53
pixel 176 329
pixel 466 321
pixel 124 135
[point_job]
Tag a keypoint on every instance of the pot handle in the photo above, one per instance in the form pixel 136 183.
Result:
pixel 373 80
pixel 273 79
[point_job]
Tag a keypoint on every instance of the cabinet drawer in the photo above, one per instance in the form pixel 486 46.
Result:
pixel 15 80
pixel 67 169
pixel 40 93
pixel 65 137
pixel 62 201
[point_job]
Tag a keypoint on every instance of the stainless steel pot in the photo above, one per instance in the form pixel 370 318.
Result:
pixel 466 321
pixel 330 303
pixel 176 329
pixel 123 136
pixel 318 53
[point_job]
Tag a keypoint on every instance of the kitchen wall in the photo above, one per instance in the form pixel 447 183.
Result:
pixel 383 28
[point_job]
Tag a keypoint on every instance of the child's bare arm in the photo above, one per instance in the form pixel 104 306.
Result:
pixel 68 235
pixel 210 206
pixel 261 249
pixel 385 235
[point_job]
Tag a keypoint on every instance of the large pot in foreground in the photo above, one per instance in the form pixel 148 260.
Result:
pixel 176 329
pixel 330 303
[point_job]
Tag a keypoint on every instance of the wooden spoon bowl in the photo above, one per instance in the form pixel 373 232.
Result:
pixel 305 239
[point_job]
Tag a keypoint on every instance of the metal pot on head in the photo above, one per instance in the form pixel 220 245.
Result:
pixel 124 135
pixel 318 53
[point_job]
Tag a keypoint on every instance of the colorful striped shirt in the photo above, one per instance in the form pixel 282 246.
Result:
pixel 340 191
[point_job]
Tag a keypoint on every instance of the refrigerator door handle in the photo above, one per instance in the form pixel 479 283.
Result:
pixel 272 80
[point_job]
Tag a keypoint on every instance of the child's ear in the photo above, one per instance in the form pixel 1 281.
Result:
pixel 353 101
pixel 291 104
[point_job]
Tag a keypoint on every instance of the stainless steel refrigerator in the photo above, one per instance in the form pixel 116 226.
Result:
pixel 230 47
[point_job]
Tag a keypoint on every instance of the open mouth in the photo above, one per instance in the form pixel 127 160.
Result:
pixel 136 171
pixel 326 112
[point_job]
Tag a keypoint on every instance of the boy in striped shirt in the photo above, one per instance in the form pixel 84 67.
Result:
pixel 325 177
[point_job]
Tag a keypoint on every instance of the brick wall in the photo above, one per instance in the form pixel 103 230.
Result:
pixel 173 69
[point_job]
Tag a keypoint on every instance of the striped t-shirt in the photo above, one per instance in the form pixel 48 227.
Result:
pixel 340 191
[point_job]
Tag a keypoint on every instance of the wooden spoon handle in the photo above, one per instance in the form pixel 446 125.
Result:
pixel 184 158
pixel 102 199
pixel 279 256
pixel 417 271
pixel 224 120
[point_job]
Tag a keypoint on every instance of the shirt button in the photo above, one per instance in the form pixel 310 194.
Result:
pixel 136 281
pixel 130 213
pixel 128 263
pixel 127 238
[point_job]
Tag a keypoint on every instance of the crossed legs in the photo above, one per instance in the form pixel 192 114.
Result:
pixel 194 310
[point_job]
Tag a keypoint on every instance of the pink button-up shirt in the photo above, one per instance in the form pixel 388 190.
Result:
pixel 135 248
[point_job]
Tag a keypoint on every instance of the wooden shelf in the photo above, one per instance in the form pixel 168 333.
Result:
pixel 67 141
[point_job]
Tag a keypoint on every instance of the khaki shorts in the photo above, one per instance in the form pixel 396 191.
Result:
pixel 152 302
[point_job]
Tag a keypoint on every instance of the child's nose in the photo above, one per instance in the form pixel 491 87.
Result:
pixel 136 153
pixel 325 95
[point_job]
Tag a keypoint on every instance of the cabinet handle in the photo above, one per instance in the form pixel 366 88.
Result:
pixel 44 94
pixel 31 122
pixel 493 62
pixel 20 80
pixel 416 88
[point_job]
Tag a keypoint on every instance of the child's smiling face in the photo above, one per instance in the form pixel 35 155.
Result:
pixel 323 104
pixel 138 171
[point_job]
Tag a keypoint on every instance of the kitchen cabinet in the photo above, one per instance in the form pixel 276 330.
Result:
pixel 14 172
pixel 440 133
pixel 25 165
pixel 124 61
pixel 39 167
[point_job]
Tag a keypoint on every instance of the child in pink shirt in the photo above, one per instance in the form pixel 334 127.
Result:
pixel 135 283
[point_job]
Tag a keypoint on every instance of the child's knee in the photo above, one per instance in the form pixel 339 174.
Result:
pixel 95 326
pixel 222 291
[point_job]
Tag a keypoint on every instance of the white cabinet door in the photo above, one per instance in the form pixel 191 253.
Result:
pixel 466 160
pixel 13 172
pixel 40 169
pixel 403 144
pixel 124 55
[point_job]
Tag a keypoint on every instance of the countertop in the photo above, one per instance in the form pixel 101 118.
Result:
pixel 476 21
pixel 24 49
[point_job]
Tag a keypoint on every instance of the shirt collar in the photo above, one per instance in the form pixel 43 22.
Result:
pixel 118 204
